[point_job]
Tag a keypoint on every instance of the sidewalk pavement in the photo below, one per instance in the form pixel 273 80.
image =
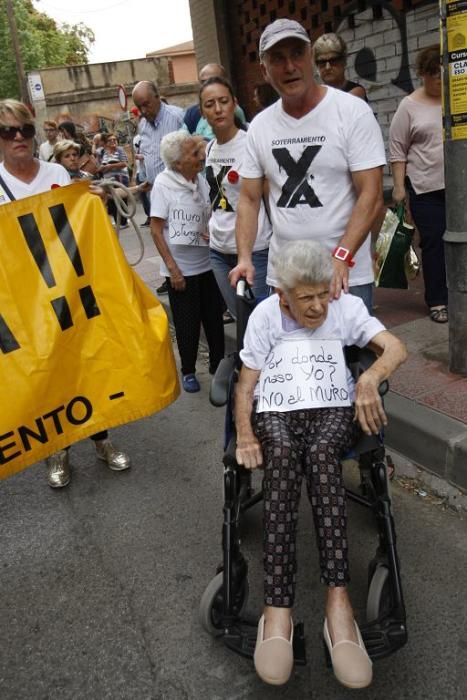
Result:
pixel 426 404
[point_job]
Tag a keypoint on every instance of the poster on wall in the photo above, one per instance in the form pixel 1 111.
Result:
pixel 456 29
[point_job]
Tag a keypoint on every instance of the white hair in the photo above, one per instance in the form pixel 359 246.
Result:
pixel 303 262
pixel 172 147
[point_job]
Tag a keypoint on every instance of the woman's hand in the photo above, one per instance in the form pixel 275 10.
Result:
pixel 249 453
pixel 369 409
pixel 177 280
pixel 398 194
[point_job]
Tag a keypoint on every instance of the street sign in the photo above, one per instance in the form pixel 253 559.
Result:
pixel 122 99
pixel 36 88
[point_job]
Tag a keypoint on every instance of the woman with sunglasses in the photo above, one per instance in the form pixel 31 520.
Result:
pixel 224 160
pixel 330 57
pixel 23 175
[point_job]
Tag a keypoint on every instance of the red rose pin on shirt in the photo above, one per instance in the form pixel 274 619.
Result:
pixel 233 177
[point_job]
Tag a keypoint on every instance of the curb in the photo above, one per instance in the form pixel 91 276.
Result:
pixel 431 439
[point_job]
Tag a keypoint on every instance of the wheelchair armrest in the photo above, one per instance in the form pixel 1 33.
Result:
pixel 220 383
pixel 361 359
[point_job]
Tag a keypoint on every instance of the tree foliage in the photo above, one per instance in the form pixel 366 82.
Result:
pixel 42 41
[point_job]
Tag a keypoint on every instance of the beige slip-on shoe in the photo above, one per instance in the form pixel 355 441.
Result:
pixel 350 662
pixel 273 657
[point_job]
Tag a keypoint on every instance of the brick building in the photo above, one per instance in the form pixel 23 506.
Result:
pixel 382 36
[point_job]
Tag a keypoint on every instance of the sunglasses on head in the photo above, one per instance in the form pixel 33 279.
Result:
pixel 321 62
pixel 8 133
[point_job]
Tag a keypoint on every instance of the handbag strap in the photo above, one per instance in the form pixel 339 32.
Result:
pixel 7 189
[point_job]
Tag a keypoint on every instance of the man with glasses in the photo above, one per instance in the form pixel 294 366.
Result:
pixel 157 120
pixel 322 152
pixel 23 175
pixel 46 149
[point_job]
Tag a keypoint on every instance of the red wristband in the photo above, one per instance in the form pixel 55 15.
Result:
pixel 344 255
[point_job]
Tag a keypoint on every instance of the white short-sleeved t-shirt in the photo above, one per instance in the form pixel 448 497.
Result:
pixel 308 163
pixel 192 260
pixel 223 165
pixel 347 321
pixel 48 174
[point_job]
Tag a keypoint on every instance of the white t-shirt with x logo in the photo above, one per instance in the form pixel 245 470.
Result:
pixel 308 163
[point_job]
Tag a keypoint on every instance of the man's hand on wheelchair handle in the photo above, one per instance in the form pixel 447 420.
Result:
pixel 242 269
pixel 248 453
pixel 369 409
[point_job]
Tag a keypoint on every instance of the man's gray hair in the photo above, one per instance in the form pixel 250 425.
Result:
pixel 303 262
pixel 172 147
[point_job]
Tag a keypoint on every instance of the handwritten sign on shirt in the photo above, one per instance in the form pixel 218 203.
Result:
pixel 303 373
pixel 187 224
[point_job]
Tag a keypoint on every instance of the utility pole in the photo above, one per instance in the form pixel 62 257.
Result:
pixel 453 14
pixel 17 51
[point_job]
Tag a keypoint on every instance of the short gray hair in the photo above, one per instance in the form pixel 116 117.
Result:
pixel 172 147
pixel 328 43
pixel 62 147
pixel 303 262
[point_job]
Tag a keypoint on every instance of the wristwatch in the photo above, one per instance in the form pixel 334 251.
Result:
pixel 343 254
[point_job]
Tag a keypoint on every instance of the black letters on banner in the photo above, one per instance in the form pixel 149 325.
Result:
pixel 35 243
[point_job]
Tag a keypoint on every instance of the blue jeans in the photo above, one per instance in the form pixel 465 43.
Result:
pixel 222 263
pixel 365 292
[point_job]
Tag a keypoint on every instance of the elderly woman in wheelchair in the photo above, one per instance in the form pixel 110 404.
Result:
pixel 297 412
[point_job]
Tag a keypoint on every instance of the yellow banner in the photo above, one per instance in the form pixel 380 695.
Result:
pixel 84 345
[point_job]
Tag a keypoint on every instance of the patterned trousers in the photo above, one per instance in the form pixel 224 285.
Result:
pixel 299 444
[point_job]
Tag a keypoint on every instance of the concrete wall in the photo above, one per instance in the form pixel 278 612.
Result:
pixel 185 69
pixel 81 91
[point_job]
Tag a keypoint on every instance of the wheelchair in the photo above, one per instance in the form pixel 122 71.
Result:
pixel 222 610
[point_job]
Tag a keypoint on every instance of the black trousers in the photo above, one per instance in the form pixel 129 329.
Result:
pixel 200 303
pixel 301 445
pixel 112 210
pixel 429 213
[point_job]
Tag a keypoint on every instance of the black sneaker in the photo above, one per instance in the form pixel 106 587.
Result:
pixel 147 222
pixel 163 289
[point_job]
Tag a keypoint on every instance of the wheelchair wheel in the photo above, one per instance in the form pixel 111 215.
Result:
pixel 379 597
pixel 210 607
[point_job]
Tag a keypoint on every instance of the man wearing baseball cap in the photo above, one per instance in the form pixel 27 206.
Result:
pixel 322 153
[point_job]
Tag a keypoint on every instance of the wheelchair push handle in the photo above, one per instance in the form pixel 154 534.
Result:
pixel 243 289
pixel 245 304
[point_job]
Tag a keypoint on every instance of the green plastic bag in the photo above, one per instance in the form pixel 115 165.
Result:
pixel 392 247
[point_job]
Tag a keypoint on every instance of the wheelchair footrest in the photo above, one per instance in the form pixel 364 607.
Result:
pixel 383 638
pixel 241 638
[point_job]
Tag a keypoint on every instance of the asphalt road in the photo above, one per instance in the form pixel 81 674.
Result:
pixel 101 581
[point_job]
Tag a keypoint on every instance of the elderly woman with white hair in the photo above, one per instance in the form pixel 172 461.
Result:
pixel 180 211
pixel 330 58
pixel 296 413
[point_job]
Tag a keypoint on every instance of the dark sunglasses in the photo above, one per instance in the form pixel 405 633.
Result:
pixel 8 133
pixel 321 62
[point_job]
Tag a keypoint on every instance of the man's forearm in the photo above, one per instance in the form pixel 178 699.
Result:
pixel 246 227
pixel 366 209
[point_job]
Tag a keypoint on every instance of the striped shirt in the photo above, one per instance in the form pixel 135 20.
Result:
pixel 169 118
